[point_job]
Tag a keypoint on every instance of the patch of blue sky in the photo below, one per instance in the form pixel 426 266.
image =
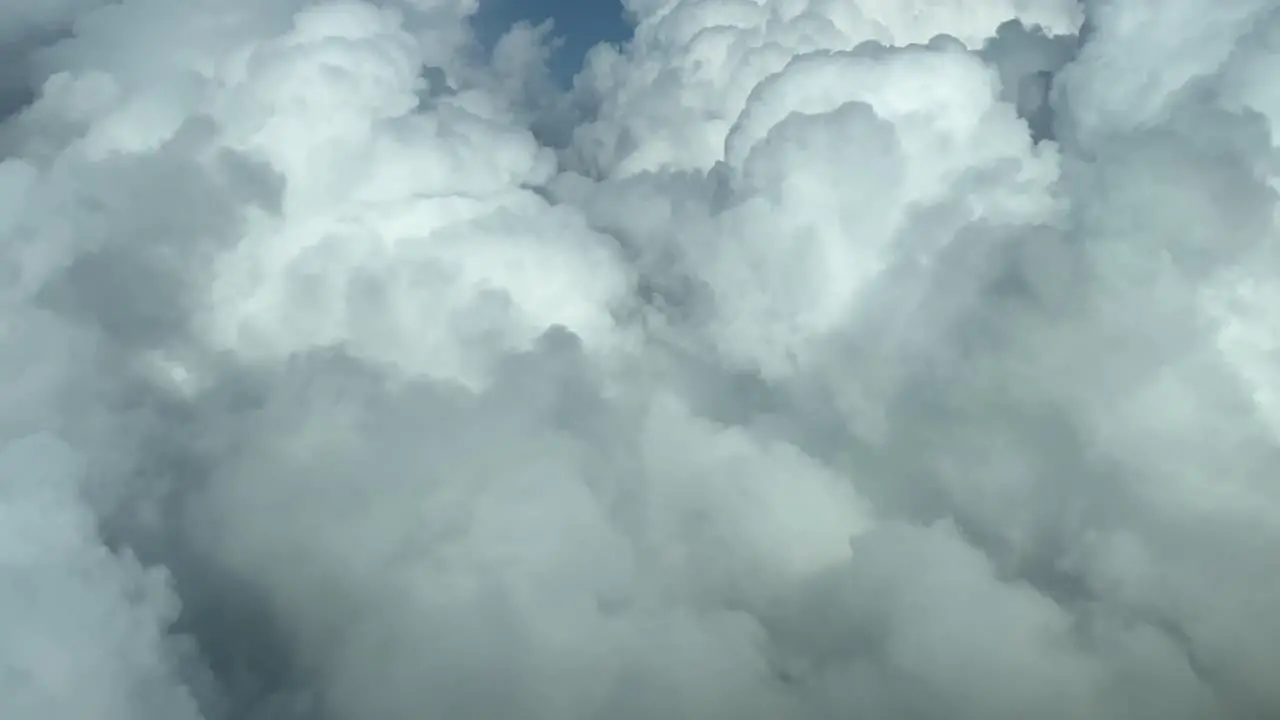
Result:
pixel 580 24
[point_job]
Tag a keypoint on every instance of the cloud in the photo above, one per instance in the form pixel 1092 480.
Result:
pixel 86 629
pixel 804 359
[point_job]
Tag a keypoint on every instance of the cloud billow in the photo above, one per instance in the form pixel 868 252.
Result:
pixel 803 360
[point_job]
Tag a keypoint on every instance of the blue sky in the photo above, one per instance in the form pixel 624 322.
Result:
pixel 582 24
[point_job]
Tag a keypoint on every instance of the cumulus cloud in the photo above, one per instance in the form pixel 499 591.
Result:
pixel 803 360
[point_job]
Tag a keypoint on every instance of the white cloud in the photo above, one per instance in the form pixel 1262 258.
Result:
pixel 84 631
pixel 877 359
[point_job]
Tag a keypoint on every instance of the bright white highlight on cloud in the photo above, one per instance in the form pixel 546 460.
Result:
pixel 805 360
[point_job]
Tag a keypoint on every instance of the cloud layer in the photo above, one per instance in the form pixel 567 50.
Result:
pixel 804 360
